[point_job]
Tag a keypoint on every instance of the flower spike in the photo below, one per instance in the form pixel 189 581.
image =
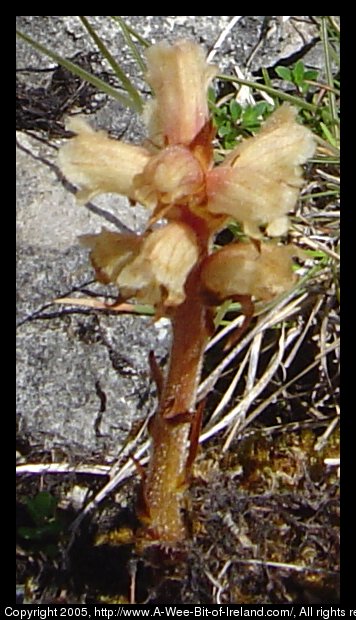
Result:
pixel 173 264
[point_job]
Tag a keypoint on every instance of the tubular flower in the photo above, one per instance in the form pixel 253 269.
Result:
pixel 145 266
pixel 110 253
pixel 154 275
pixel 98 164
pixel 179 76
pixel 245 269
pixel 260 180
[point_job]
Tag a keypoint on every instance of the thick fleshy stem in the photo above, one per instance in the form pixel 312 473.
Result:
pixel 175 426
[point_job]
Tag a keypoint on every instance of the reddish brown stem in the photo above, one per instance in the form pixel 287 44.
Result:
pixel 191 330
pixel 171 425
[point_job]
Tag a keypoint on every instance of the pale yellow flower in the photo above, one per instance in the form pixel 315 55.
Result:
pixel 246 269
pixel 151 267
pixel 98 164
pixel 159 272
pixel 179 76
pixel 259 183
pixel 111 251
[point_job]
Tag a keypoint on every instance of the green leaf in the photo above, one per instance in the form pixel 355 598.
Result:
pixel 138 36
pixel 220 112
pixel 284 73
pixel 298 73
pixel 39 533
pixel 224 130
pixel 235 110
pixel 326 116
pixel 250 116
pixel 143 309
pixel 229 143
pixel 211 95
pixel 333 106
pixel 41 507
pixel 261 108
pixel 28 533
pixel 311 74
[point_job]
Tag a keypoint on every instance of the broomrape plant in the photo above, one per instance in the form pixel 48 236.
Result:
pixel 173 264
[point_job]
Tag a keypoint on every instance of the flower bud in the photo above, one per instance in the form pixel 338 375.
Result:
pixel 171 176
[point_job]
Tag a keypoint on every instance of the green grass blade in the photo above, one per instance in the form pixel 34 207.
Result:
pixel 82 73
pixel 136 35
pixel 327 133
pixel 139 37
pixel 329 146
pixel 127 36
pixel 126 82
pixel 330 192
pixel 333 24
pixel 266 77
pixel 329 79
pixel 297 101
